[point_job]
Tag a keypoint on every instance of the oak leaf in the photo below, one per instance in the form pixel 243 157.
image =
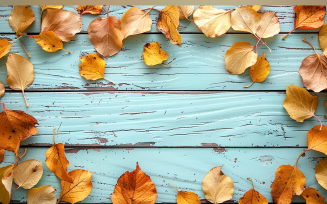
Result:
pixel 249 24
pixel 49 41
pixel 312 196
pixel 6 178
pixel 217 187
pixel 44 194
pixel 321 173
pixel 184 197
pixel 260 70
pixel 168 22
pixel 134 187
pixel 17 126
pixel 308 17
pixel 56 160
pixel 4 47
pixel 185 11
pixel 153 54
pixel 2 155
pixel 268 25
pixel 323 39
pixel 317 139
pixel 239 57
pixel 79 189
pixel 135 21
pixel 299 104
pixel 64 23
pixel 28 173
pixel 289 181
pixel 91 9
pixel 253 197
pixel 211 21
pixel 20 73
pixel 2 90
pixel 20 18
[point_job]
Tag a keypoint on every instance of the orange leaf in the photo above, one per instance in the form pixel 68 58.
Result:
pixel 317 139
pixel 2 89
pixel 2 155
pixel 312 196
pixel 184 197
pixel 91 9
pixel 20 18
pixel 4 47
pixel 49 41
pixel 134 187
pixel 321 173
pixel 253 197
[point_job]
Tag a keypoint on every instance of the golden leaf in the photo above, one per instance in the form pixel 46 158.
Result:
pixel 134 187
pixel 2 155
pixel 184 197
pixel 92 67
pixel 321 173
pixel 323 39
pixel 256 7
pixel 153 54
pixel 79 189
pixel 135 21
pixel 317 139
pixel 289 181
pixel 91 9
pixel 44 7
pixel 250 23
pixel 57 162
pixel 268 25
pixel 6 177
pixel 168 22
pixel 185 11
pixel 2 90
pixel 312 196
pixel 20 18
pixel 4 47
pixel 49 41
pixel 42 195
pixel 217 187
pixel 253 197
pixel 239 57
pixel 28 173
pixel 211 21
pixel 64 23
pixel 20 73
pixel 260 70
pixel 17 127
pixel 299 104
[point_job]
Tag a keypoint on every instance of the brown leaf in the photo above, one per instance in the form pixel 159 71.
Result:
pixel 2 155
pixel 153 54
pixel 323 39
pixel 260 70
pixel 64 23
pixel 5 183
pixel 79 189
pixel 317 139
pixel 268 25
pixel 20 18
pixel 185 11
pixel 184 197
pixel 17 127
pixel 49 41
pixel 20 73
pixel 92 67
pixel 217 187
pixel 312 196
pixel 253 197
pixel 91 9
pixel 2 90
pixel 134 187
pixel 4 47
pixel 321 173
pixel 289 181
pixel 57 162
pixel 299 104
pixel 42 195
pixel 168 22
pixel 245 19
pixel 28 173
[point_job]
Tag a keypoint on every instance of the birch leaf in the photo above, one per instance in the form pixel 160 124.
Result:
pixel 5 183
pixel 185 11
pixel 312 196
pixel 253 197
pixel 268 25
pixel 28 173
pixel 21 17
pixel 317 139
pixel 92 67
pixel 91 9
pixel 44 194
pixel 4 47
pixel 323 39
pixel 245 19
pixel 49 41
pixel 153 54
pixel 184 197
pixel 321 173
pixel 2 90
pixel 260 70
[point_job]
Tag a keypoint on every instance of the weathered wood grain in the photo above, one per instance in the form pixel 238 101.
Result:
pixel 185 168
pixel 285 15
pixel 164 119
pixel 198 65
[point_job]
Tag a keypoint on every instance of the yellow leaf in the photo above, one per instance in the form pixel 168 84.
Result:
pixel 217 187
pixel 135 21
pixel 317 139
pixel 321 173
pixel 20 73
pixel 253 197
pixel 91 9
pixel 42 195
pixel 185 11
pixel 239 57
pixel 5 183
pixel 323 39
pixel 2 155
pixel 49 41
pixel 168 22
pixel 20 18
pixel 299 104
pixel 260 70
pixel 4 47
pixel 256 7
pixel 268 25
pixel 312 196
pixel 184 197
pixel 245 19
pixel 44 7
pixel 211 21
pixel 2 90
pixel 153 54
pixel 28 173
pixel 79 189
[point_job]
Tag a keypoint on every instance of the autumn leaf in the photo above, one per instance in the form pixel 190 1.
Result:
pixel 239 57
pixel 153 54
pixel 79 189
pixel 64 23
pixel 135 21
pixel 49 41
pixel 260 70
pixel 184 197
pixel 323 39
pixel 249 24
pixel 134 187
pixel 2 155
pixel 312 196
pixel 217 187
pixel 211 21
pixel 4 47
pixel 56 160
pixel 268 25
pixel 308 17
pixel 299 104
pixel 17 127
pixel 317 139
pixel 28 173
pixel 289 181
pixel 168 22
pixel 2 90
pixel 321 173
pixel 91 9
pixel 44 194
pixel 20 18
pixel 253 197
pixel 44 7
pixel 185 11
pixel 20 73
pixel 5 183
pixel 256 7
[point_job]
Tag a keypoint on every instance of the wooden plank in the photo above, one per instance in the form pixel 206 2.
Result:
pixel 198 65
pixel 185 168
pixel 284 13
pixel 164 119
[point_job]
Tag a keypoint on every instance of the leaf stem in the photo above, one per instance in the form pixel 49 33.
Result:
pixel 174 187
pixel 14 192
pixel 54 133
pixel 319 121
pixel 264 43
pixel 25 48
pixel 109 80
pixel 66 50
pixel 249 85
pixel 305 40
pixel 25 98
pixel 300 156
pixel 251 182
pixel 26 35
pixel 20 157
pixel 3 105
pixel 288 34
pixel 16 39
pixel 108 12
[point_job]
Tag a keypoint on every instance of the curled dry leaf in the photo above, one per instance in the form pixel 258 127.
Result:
pixel 253 197
pixel 249 24
pixel 289 181
pixel 299 104
pixel 28 173
pixel 92 67
pixel 79 189
pixel 44 194
pixel 268 25
pixel 4 47
pixel 317 139
pixel 20 73
pixel 211 21
pixel 20 18
pixel 184 197
pixel 260 70
pixel 312 196
pixel 135 21
pixel 153 54
pixel 2 90
pixel 134 187
pixel 323 39
pixel 2 155
pixel 49 41
pixel 239 57
pixel 185 11
pixel 6 178
pixel 168 22
pixel 17 127
pixel 308 17
pixel 217 187
pixel 64 23
pixel 321 173
pixel 91 9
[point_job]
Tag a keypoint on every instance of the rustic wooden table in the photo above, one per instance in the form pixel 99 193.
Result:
pixel 177 122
